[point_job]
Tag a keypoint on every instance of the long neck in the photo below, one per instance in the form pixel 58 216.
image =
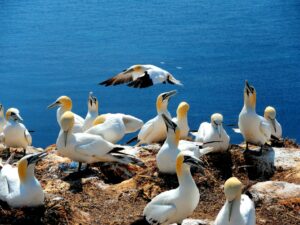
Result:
pixel 184 176
pixel 161 107
pixel 26 174
pixel 250 102
pixel 171 138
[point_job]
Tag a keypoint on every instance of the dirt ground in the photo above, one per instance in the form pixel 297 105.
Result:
pixel 105 194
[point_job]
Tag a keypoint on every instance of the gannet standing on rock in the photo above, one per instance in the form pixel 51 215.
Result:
pixel 254 128
pixel 2 118
pixel 155 129
pixel 175 205
pixel 142 76
pixel 15 134
pixel 213 134
pixel 166 157
pixel 64 104
pixel 18 186
pixel 270 116
pixel 92 112
pixel 88 148
pixel 181 120
pixel 238 209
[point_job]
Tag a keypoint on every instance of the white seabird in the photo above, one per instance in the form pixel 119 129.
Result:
pixel 142 76
pixel 270 116
pixel 15 134
pixel 155 129
pixel 92 112
pixel 88 148
pixel 213 134
pixel 175 205
pixel 254 128
pixel 2 118
pixel 238 208
pixel 181 120
pixel 18 186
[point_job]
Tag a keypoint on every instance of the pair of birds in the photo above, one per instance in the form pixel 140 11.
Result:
pixel 13 132
pixel 175 205
pixel 256 129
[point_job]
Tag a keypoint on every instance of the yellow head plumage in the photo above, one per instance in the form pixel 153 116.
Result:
pixel 99 120
pixel 10 111
pixel 22 169
pixel 179 163
pixel 65 102
pixel 216 118
pixel 233 188
pixel 182 109
pixel 67 121
pixel 270 113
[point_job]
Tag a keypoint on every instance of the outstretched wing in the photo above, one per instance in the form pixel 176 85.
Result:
pixel 142 81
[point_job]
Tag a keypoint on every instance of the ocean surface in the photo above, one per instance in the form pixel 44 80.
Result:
pixel 50 48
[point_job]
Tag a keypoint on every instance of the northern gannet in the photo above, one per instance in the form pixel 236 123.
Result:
pixel 155 129
pixel 238 209
pixel 167 154
pixel 2 118
pixel 18 186
pixel 254 128
pixel 181 119
pixel 175 205
pixel 213 134
pixel 197 148
pixel 65 104
pixel 15 133
pixel 92 112
pixel 142 76
pixel 270 116
pixel 88 148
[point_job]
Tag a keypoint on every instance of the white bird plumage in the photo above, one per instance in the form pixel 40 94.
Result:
pixel 15 134
pixel 175 205
pixel 18 186
pixel 142 76
pixel 254 128
pixel 181 120
pixel 238 208
pixel 92 112
pixel 213 134
pixel 2 118
pixel 270 116
pixel 155 129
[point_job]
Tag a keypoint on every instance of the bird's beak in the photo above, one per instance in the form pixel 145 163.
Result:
pixel 193 161
pixel 230 209
pixel 248 88
pixel 92 99
pixel 53 105
pixel 66 137
pixel 169 94
pixel 36 157
pixel 169 123
pixel 273 124
pixel 219 130
pixel 17 117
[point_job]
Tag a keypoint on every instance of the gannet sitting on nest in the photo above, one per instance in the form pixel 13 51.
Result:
pixel 175 205
pixel 142 76
pixel 254 128
pixel 88 148
pixel 181 120
pixel 18 186
pixel 238 209
pixel 213 134
pixel 270 116
pixel 15 134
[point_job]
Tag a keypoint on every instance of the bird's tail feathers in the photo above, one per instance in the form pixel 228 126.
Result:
pixel 125 158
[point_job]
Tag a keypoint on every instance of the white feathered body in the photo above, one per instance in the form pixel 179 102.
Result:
pixel 78 120
pixel 183 126
pixel 89 119
pixel 16 135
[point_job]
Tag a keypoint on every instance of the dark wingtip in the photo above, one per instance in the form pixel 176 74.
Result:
pixel 132 140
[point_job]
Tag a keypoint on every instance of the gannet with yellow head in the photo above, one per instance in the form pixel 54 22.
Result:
pixel 270 116
pixel 155 129
pixel 142 76
pixel 88 148
pixel 254 128
pixel 238 209
pixel 175 205
pixel 18 186
pixel 15 134
pixel 64 104
pixel 92 112
pixel 2 118
pixel 181 120
pixel 213 134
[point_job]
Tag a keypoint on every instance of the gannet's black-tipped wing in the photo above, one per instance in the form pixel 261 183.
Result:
pixel 142 81
pixel 121 78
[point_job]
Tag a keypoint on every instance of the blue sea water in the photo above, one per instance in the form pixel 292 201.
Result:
pixel 50 48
